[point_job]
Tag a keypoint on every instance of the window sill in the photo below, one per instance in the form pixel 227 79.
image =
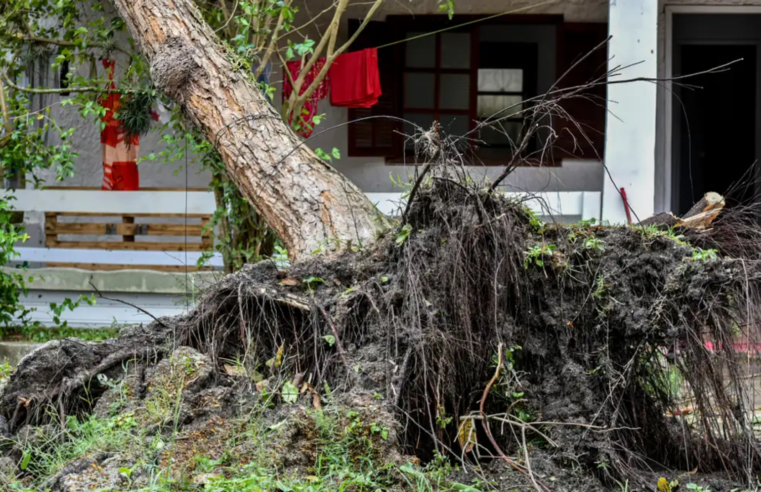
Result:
pixel 410 160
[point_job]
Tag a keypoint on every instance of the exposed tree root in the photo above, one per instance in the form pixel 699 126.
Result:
pixel 582 340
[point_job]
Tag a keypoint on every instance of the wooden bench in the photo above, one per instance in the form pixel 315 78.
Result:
pixel 128 228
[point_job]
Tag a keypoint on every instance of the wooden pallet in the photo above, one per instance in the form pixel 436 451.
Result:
pixel 125 231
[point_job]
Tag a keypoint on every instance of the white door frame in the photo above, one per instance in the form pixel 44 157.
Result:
pixel 670 10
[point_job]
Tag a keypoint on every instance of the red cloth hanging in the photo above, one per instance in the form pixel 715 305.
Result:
pixel 117 147
pixel 309 110
pixel 355 79
pixel 124 176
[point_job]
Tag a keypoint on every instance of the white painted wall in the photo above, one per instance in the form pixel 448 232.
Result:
pixel 630 127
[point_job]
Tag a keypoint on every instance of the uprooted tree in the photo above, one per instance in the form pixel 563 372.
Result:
pixel 486 333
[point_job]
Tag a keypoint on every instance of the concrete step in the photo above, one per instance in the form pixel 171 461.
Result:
pixel 13 352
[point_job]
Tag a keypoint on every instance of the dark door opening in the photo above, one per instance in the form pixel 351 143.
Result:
pixel 717 141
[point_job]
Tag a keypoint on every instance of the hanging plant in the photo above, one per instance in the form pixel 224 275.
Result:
pixel 135 113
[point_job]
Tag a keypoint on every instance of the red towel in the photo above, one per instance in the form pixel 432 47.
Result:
pixel 355 79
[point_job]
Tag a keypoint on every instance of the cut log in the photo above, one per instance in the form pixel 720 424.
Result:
pixel 307 202
pixel 710 201
pixel 700 216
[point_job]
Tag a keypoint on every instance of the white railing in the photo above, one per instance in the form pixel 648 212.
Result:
pixel 585 205
pixel 558 204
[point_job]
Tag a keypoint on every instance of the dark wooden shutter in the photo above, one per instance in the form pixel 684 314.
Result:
pixel 576 40
pixel 378 136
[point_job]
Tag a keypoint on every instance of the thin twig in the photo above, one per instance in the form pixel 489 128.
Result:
pixel 100 295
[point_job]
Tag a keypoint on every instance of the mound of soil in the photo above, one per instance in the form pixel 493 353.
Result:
pixel 553 356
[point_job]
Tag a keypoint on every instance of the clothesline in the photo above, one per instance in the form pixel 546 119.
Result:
pixel 514 11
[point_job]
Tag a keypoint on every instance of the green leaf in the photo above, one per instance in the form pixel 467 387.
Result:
pixel 290 393
pixel 330 339
pixel 25 460
pixel 404 234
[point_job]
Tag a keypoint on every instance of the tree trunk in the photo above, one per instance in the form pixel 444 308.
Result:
pixel 307 202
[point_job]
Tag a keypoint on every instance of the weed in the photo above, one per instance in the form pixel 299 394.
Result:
pixel 535 255
pixel 699 254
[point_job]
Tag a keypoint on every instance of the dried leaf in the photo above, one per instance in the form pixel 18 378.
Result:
pixel 467 435
pixel 237 371
pixel 290 282
pixel 261 385
pixel 277 361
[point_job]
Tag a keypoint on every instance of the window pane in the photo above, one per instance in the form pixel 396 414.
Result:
pixel 500 80
pixel 421 53
pixel 455 125
pixel 424 121
pixel 455 50
pixel 455 91
pixel 489 105
pixel 419 90
pixel 504 134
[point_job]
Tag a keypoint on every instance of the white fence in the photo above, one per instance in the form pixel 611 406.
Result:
pixel 584 205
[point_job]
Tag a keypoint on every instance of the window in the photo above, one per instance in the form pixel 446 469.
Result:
pixel 462 76
pixel 458 78
pixel 437 82
pixel 507 77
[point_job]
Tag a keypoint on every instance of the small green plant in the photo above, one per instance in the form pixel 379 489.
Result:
pixel 536 254
pixel 312 283
pixel 537 225
pixel 280 257
pixel 330 339
pixel 699 254
pixel 404 234
pixel 600 288
pixel 697 488
pixel 58 309
pixel 442 419
pixel 595 244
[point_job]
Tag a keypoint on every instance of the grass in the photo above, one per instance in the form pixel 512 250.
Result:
pixel 337 449
pixel 41 334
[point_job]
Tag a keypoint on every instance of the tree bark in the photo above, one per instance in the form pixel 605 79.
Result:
pixel 307 202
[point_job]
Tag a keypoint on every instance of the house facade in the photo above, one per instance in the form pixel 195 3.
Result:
pixel 648 135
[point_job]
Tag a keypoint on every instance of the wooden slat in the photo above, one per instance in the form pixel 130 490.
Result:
pixel 105 257
pixel 97 214
pixel 128 220
pixel 95 188
pixel 51 239
pixel 206 237
pixel 141 246
pixel 100 229
pixel 114 267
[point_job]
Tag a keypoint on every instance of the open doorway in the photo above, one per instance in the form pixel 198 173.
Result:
pixel 717 124
pixel 713 136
